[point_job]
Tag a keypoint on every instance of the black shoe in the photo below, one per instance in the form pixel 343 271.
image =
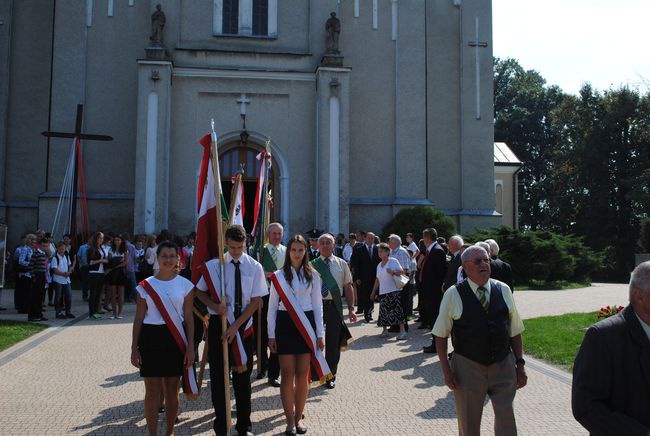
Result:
pixel 60 316
pixel 70 316
pixel 330 384
pixel 261 375
pixel 290 432
pixel 430 349
pixel 358 312
pixel 274 382
pixel 301 429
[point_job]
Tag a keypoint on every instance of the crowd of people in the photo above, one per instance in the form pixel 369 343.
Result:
pixel 108 267
pixel 293 306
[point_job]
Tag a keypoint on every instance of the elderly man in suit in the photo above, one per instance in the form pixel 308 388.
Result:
pixel 455 244
pixel 611 373
pixel 485 327
pixel 432 276
pixel 500 270
pixel 363 263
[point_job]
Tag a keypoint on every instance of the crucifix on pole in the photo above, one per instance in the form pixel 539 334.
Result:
pixel 477 44
pixel 77 136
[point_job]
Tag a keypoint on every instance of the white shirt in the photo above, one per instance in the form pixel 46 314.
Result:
pixel 413 247
pixel 280 253
pixel 386 282
pixel 308 296
pixel 63 266
pixel 176 290
pixel 253 282
pixel 347 252
pixel 451 308
pixel 151 258
pixel 103 253
pixel 341 273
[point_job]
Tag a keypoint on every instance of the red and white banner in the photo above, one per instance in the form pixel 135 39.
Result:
pixel 211 276
pixel 237 208
pixel 260 195
pixel 174 323
pixel 297 315
pixel 207 228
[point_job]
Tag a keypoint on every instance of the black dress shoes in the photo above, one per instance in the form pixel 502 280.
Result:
pixel 274 382
pixel 261 375
pixel 330 384
pixel 430 349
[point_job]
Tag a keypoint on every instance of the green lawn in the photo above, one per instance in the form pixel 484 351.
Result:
pixel 12 332
pixel 536 285
pixel 556 339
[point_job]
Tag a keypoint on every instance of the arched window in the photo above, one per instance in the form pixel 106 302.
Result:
pixel 234 157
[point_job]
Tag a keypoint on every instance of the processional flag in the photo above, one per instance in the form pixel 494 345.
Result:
pixel 237 201
pixel 261 219
pixel 207 228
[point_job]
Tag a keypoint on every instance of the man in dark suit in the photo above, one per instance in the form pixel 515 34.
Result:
pixel 611 373
pixel 312 237
pixel 501 270
pixel 432 276
pixel 363 263
pixel 455 244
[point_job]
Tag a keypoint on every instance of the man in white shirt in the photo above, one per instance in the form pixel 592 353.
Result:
pixel 245 286
pixel 336 278
pixel 488 348
pixel 274 255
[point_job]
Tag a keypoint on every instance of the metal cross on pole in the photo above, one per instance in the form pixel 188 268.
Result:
pixel 78 135
pixel 477 44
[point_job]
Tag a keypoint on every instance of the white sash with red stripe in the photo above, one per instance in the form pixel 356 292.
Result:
pixel 174 322
pixel 297 315
pixel 211 277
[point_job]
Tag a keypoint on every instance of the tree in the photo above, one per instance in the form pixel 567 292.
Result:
pixel 417 218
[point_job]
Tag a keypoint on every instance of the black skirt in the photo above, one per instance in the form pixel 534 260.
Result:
pixel 287 337
pixel 159 352
pixel 116 277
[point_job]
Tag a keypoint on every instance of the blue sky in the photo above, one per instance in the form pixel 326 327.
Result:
pixel 605 42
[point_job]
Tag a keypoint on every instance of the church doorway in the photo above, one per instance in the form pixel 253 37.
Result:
pixel 237 155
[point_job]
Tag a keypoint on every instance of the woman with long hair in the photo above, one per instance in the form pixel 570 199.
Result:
pixel 116 275
pixel 155 350
pixel 285 338
pixel 97 259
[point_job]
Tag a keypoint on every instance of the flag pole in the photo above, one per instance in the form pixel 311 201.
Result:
pixel 265 224
pixel 220 250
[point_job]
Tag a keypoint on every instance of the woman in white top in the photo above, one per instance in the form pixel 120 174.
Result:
pixel 284 337
pixel 150 256
pixel 97 259
pixel 153 348
pixel 61 267
pixel 390 307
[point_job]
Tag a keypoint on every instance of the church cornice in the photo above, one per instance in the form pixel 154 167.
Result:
pixel 243 74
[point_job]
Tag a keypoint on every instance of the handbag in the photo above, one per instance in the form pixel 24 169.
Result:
pixel 401 280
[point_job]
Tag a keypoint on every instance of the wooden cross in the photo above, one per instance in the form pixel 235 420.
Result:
pixel 79 136
pixel 477 44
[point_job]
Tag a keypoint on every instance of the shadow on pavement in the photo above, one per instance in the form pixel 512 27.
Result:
pixel 444 408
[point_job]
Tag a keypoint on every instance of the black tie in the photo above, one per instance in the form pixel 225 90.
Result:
pixel 238 292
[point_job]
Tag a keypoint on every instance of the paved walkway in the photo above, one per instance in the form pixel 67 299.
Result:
pixel 75 378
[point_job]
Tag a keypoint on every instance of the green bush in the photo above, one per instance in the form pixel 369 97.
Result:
pixel 543 256
pixel 417 218
pixel 644 235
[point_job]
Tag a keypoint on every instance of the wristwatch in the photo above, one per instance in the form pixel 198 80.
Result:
pixel 520 361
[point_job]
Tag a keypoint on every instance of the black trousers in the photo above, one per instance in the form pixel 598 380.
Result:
pixel 36 293
pixel 363 293
pixel 21 294
pixel 95 285
pixel 241 382
pixel 268 361
pixel 332 321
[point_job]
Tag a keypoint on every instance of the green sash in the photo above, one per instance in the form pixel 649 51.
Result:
pixel 327 277
pixel 267 261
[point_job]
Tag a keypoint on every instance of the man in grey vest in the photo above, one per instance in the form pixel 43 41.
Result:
pixel 486 329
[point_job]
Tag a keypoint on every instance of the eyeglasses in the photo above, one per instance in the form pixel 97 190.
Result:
pixel 480 261
pixel 168 257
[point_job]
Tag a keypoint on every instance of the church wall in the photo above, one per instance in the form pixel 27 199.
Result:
pixel 281 109
pixel 443 109
pixel 371 55
pixel 26 149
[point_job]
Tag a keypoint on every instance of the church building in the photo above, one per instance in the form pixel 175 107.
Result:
pixel 369 106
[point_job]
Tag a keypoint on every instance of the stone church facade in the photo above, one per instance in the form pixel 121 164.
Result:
pixel 404 118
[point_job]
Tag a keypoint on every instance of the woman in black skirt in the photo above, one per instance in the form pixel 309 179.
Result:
pixel 285 339
pixel 153 347
pixel 116 275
